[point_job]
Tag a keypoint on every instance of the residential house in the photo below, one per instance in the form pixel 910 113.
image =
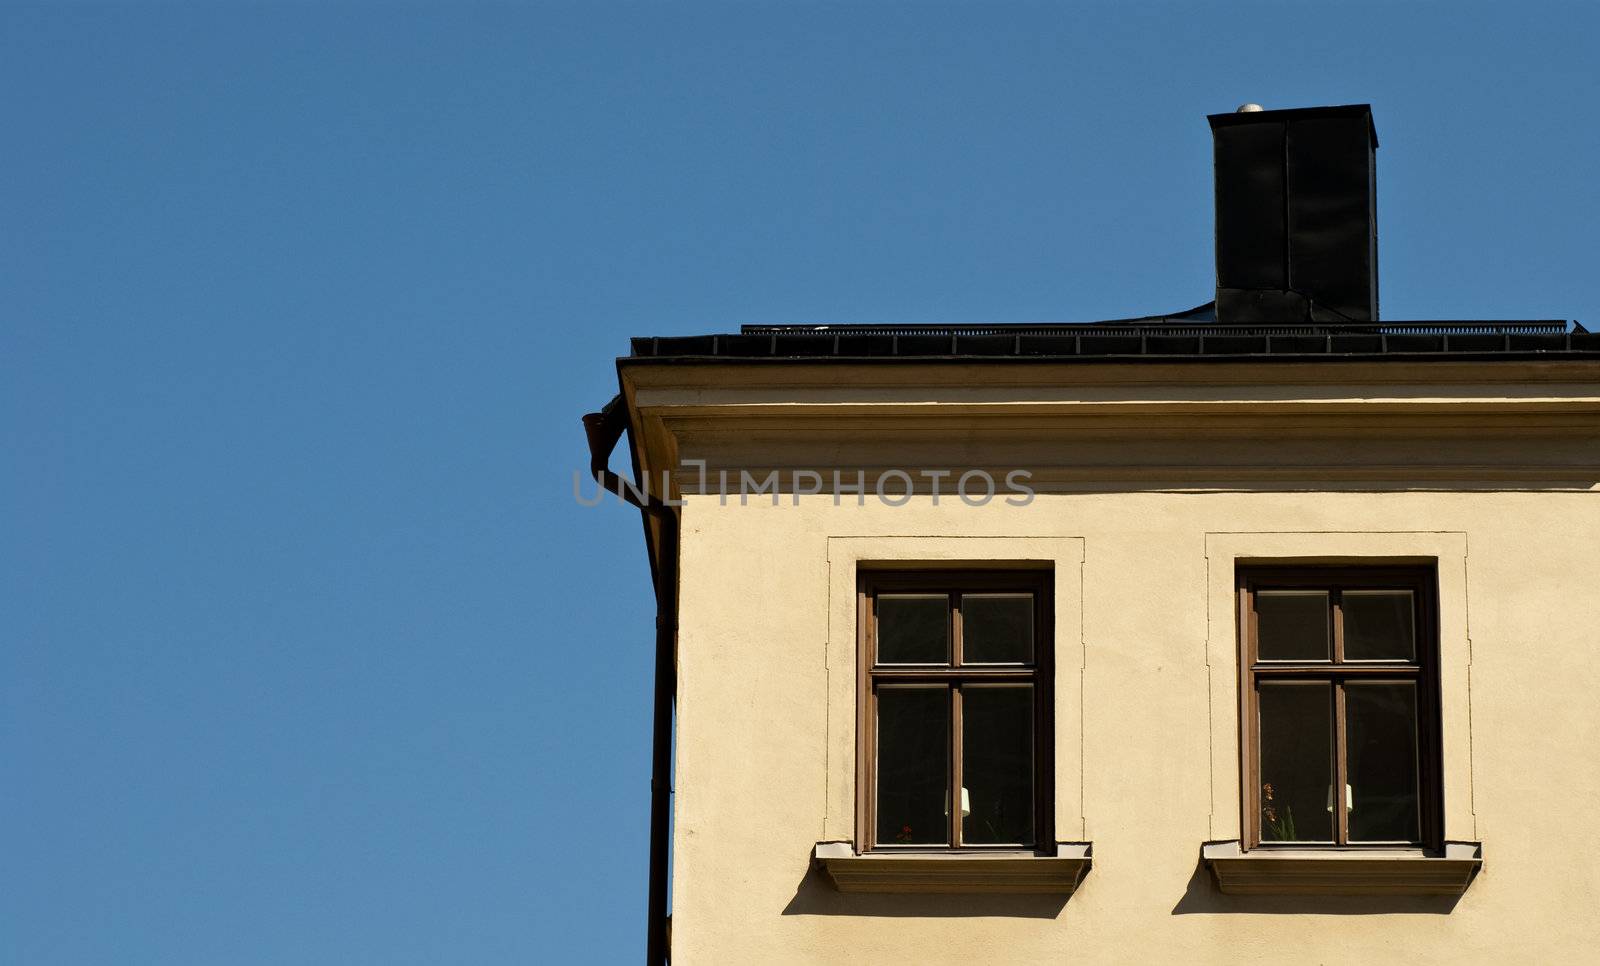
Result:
pixel 1259 632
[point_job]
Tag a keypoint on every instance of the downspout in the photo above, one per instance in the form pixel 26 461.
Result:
pixel 604 429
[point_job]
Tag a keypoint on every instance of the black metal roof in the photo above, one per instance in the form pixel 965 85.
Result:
pixel 1165 338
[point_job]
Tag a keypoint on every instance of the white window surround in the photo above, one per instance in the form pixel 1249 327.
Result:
pixel 1227 551
pixel 847 555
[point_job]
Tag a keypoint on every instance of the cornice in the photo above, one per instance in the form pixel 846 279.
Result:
pixel 1457 425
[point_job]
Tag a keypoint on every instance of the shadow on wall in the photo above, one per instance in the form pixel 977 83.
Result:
pixel 816 896
pixel 1202 897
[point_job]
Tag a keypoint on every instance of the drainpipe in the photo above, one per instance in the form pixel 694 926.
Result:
pixel 604 429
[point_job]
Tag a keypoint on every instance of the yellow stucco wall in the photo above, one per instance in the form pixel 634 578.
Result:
pixel 1145 727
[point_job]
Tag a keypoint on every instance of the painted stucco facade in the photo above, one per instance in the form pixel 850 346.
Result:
pixel 1153 483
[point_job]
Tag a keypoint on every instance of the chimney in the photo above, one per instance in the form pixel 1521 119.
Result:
pixel 1297 230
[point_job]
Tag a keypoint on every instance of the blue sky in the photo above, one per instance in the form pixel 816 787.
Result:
pixel 308 654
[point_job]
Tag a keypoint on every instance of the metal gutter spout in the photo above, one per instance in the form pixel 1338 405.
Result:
pixel 604 429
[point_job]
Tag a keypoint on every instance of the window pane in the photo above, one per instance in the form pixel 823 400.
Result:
pixel 1382 745
pixel 996 628
pixel 1378 625
pixel 997 765
pixel 913 765
pixel 913 629
pixel 1296 762
pixel 1292 625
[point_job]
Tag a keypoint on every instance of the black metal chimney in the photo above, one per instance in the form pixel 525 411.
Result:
pixel 1297 229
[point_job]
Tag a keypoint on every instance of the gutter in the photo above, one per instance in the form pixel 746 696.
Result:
pixel 661 527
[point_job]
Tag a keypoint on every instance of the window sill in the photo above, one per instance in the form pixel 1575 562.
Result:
pixel 928 872
pixel 1314 872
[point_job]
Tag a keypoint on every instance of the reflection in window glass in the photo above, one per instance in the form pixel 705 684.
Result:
pixel 1296 764
pixel 1292 625
pixel 996 628
pixel 913 629
pixel 1381 742
pixel 997 764
pixel 1378 625
pixel 913 765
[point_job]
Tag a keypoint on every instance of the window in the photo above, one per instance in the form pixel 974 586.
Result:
pixel 1340 707
pixel 954 721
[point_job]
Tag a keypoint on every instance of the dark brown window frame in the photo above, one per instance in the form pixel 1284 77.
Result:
pixel 1422 581
pixel 1040 583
